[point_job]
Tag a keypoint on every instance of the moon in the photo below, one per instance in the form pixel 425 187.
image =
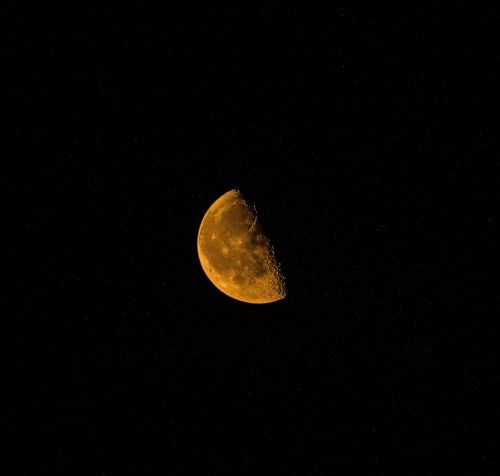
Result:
pixel 236 255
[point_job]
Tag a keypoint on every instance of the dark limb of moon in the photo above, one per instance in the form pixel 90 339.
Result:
pixel 234 253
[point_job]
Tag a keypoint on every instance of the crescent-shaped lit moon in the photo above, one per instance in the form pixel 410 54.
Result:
pixel 234 253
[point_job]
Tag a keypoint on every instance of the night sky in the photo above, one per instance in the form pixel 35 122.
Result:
pixel 364 139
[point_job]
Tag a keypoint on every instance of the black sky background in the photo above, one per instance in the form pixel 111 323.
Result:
pixel 364 139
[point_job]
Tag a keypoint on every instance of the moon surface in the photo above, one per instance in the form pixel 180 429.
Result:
pixel 235 254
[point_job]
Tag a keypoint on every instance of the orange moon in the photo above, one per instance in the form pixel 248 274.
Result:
pixel 235 254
